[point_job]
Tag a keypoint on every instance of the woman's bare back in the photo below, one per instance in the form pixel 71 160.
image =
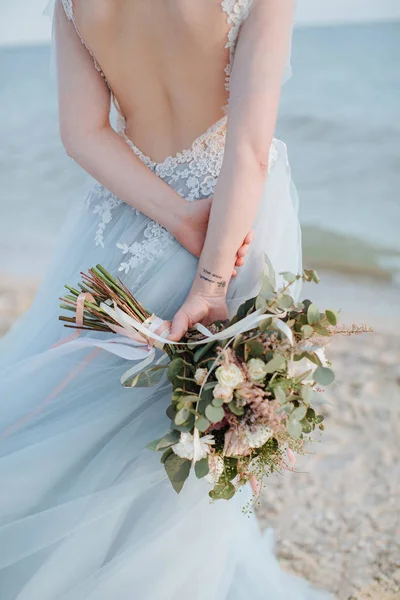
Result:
pixel 165 62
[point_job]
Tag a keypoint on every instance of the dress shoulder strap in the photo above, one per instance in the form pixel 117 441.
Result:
pixel 237 12
pixel 68 8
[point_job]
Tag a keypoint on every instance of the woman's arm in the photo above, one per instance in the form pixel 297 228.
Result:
pixel 260 58
pixel 86 132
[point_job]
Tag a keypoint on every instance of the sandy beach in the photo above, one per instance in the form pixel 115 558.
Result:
pixel 337 518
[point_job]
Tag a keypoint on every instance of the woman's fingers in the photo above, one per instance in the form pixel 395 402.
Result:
pixel 180 325
pixel 249 238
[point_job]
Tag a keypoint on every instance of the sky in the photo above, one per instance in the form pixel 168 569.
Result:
pixel 21 21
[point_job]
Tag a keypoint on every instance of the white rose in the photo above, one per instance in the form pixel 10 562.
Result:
pixel 200 376
pixel 257 369
pixel 222 392
pixel 230 376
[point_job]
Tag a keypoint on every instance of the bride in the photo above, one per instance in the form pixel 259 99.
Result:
pixel 192 167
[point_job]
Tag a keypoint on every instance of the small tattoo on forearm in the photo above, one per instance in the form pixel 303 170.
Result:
pixel 213 278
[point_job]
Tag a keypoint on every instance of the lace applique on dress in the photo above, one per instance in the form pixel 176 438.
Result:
pixel 237 12
pixel 144 253
pixel 103 203
pixel 193 173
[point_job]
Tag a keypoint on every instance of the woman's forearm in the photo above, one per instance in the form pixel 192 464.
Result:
pixel 260 59
pixel 234 209
pixel 107 158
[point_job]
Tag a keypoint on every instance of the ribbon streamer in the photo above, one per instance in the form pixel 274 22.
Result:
pixel 137 341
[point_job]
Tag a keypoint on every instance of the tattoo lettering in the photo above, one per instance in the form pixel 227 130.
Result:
pixel 213 278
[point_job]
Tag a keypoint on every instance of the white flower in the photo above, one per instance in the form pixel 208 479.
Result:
pixel 216 468
pixel 200 376
pixel 258 435
pixel 298 367
pixel 257 369
pixel 240 441
pixel 193 447
pixel 223 392
pixel 230 376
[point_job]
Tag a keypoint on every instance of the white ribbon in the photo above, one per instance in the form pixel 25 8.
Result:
pixel 131 346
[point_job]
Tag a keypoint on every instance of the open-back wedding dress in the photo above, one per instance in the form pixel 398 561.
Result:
pixel 86 512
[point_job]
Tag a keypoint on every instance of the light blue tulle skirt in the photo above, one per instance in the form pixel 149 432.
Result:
pixel 85 511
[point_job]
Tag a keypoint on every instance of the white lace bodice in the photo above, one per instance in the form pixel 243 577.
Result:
pixel 193 173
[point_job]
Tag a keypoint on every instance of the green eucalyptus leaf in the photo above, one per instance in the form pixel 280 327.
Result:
pixel 165 455
pixel 324 376
pixel 311 275
pixel 171 438
pixel 313 315
pixel 289 277
pixel 190 399
pixel 294 428
pixel 303 376
pixel 280 394
pixel 319 419
pixel 223 491
pixel 307 394
pixel 175 368
pixel 202 424
pixel 261 302
pixel 310 416
pixel 171 412
pixel 307 331
pixel 178 470
pixel 277 363
pixel 306 426
pixel 218 402
pixel 243 310
pixel 285 301
pixel 146 378
pixel 201 468
pixel 299 413
pixel 235 409
pixel 332 316
pixel 321 330
pixel 214 414
pixel 253 349
pixel 200 352
pixel 265 324
pixel 182 416
pixel 268 273
pixel 153 445
pixel 319 399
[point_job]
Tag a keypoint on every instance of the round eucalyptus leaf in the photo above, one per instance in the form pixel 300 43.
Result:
pixel 215 414
pixel 299 413
pixel 313 315
pixel 332 316
pixel 324 376
pixel 182 416
pixel 295 429
pixel 202 424
pixel 201 468
pixel 218 402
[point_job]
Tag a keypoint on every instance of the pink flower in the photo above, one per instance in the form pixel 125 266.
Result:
pixel 291 456
pixel 223 392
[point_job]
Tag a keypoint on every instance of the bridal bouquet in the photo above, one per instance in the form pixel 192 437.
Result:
pixel 245 393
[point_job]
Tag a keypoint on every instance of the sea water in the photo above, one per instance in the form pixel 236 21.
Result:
pixel 339 117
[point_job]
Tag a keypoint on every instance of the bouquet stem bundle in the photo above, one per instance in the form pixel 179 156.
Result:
pixel 105 289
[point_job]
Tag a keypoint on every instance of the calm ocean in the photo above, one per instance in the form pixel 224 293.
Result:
pixel 339 117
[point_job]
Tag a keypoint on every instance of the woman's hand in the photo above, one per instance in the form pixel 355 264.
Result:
pixel 191 231
pixel 198 308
